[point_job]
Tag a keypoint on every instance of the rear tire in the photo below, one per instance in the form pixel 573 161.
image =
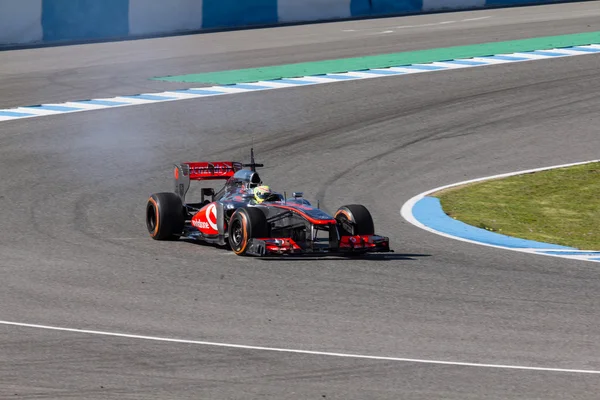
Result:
pixel 164 216
pixel 354 219
pixel 245 224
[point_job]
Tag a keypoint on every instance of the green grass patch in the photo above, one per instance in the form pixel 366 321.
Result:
pixel 560 206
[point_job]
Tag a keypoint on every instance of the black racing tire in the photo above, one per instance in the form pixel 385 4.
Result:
pixel 354 219
pixel 165 216
pixel 245 224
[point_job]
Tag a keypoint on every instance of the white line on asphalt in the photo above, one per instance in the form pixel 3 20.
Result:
pixel 413 26
pixel 317 353
pixel 476 19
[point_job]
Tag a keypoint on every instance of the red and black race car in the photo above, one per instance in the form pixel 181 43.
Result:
pixel 278 225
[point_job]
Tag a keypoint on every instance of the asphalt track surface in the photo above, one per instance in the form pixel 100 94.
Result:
pixel 74 251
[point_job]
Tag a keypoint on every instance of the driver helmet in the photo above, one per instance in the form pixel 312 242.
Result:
pixel 262 193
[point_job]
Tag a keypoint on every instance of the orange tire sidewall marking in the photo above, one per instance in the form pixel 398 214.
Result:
pixel 245 232
pixel 155 232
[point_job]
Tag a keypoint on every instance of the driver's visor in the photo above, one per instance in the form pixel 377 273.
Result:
pixel 262 195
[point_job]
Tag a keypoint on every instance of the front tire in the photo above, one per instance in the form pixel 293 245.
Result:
pixel 164 216
pixel 354 219
pixel 245 224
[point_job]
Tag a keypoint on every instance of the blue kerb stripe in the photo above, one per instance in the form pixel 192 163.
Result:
pixel 250 87
pixel 588 49
pixel 546 53
pixel 292 82
pixel 571 253
pixel 593 259
pixel 149 97
pixel 200 91
pixel 422 67
pixel 54 108
pixel 507 58
pixel 102 102
pixel 465 62
pixel 382 72
pixel 335 76
pixel 428 211
pixel 13 114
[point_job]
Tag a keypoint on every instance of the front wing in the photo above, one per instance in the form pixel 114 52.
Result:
pixel 347 245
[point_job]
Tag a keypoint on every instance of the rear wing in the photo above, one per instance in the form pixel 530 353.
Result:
pixel 202 171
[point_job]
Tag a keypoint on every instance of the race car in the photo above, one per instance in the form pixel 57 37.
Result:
pixel 250 219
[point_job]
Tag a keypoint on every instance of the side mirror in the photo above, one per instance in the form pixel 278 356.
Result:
pixel 297 195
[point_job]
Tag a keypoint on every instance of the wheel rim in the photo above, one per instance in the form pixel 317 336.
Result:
pixel 237 234
pixel 345 223
pixel 151 219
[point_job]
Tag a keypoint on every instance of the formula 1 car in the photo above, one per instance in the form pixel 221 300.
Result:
pixel 275 226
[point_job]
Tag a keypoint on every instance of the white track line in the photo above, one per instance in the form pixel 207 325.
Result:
pixel 318 353
pixel 475 19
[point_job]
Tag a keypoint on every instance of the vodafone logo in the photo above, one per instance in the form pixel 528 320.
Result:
pixel 206 220
pixel 211 216
pixel 214 169
pixel 200 224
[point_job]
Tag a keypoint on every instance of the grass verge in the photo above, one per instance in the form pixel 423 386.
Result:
pixel 560 206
